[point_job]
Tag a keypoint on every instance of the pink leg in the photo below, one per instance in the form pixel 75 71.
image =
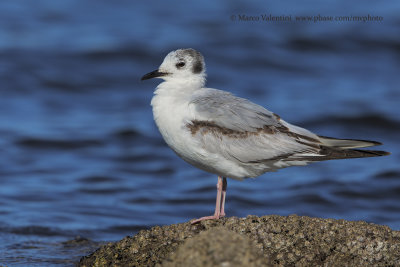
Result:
pixel 219 205
pixel 224 186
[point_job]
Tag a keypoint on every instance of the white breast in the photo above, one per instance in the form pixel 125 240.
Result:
pixel 172 114
pixel 169 115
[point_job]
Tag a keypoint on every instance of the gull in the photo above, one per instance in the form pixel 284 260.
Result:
pixel 230 136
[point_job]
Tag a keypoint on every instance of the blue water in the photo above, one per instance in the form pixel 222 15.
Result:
pixel 82 162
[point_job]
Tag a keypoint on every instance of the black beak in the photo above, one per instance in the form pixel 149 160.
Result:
pixel 153 74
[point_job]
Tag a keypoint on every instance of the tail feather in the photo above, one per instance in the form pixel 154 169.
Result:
pixel 333 153
pixel 346 143
pixel 332 148
pixel 329 153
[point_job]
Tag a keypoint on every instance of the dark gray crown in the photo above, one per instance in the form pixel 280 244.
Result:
pixel 198 60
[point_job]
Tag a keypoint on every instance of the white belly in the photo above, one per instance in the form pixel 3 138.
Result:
pixel 171 117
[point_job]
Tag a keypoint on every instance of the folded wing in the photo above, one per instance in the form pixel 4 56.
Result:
pixel 239 129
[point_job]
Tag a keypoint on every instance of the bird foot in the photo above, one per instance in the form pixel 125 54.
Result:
pixel 212 217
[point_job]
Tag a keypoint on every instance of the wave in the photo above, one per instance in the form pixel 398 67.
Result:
pixel 368 120
pixel 38 143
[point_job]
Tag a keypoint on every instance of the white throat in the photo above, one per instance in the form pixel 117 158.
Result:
pixel 178 86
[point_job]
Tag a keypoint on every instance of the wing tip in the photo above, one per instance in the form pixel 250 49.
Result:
pixel 377 152
pixel 336 142
pixel 363 153
pixel 375 143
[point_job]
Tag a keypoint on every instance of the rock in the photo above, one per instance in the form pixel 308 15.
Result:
pixel 255 241
pixel 217 247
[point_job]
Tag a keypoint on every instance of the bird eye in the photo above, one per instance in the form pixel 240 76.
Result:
pixel 180 64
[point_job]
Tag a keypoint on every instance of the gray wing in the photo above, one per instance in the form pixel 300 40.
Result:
pixel 229 111
pixel 239 129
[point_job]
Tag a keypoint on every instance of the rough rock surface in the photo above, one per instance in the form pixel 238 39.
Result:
pixel 255 241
